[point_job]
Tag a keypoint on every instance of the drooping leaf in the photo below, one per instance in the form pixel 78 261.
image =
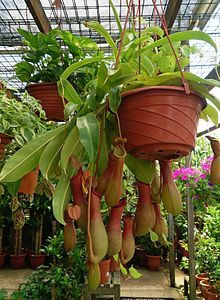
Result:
pixel 143 170
pixel 27 158
pixel 181 36
pixel 88 126
pixel 123 269
pixel 103 32
pixel 61 198
pixel 134 273
pixel 78 65
pixel 212 113
pixel 114 98
pixel 72 146
pixel 117 19
pixel 66 89
pixel 50 156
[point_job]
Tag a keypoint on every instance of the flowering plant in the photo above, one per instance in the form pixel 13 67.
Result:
pixel 196 180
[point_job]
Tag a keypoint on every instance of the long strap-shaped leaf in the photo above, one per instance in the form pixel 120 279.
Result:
pixel 72 146
pixel 51 154
pixel 27 158
pixel 89 134
pixel 61 198
pixel 181 36
pixel 143 170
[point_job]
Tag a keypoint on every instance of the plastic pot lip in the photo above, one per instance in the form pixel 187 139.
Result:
pixel 164 87
pixel 34 84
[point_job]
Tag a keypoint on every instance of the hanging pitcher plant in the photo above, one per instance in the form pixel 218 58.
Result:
pixel 90 150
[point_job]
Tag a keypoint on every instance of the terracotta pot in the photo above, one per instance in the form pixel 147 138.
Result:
pixel 153 262
pixel 201 276
pixel 160 122
pixel 104 270
pixel 17 261
pixel 141 256
pixel 4 141
pixel 114 266
pixel 29 182
pixel 203 285
pixel 2 260
pixel 211 294
pixel 37 260
pixel 50 99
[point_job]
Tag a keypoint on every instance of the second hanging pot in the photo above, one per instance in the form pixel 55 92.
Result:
pixel 160 122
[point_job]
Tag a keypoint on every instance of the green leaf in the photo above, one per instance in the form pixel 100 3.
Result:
pixel 123 269
pixel 61 198
pixel 143 170
pixel 212 113
pixel 27 158
pixel 78 65
pixel 114 98
pixel 27 133
pixel 67 91
pixel 103 32
pixel 72 146
pixel 24 70
pixel 181 36
pixel 134 273
pixel 153 236
pixel 153 30
pixel 69 109
pixel 117 19
pixel 50 156
pixel 89 134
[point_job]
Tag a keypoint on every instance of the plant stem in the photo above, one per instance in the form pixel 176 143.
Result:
pixel 1 236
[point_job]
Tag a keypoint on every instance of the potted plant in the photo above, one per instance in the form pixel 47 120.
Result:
pixel 91 138
pixel 4 216
pixel 45 58
pixel 40 207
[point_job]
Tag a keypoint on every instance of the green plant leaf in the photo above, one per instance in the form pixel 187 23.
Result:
pixel 117 19
pixel 61 198
pixel 27 158
pixel 50 156
pixel 123 269
pixel 114 98
pixel 181 36
pixel 153 236
pixel 143 170
pixel 103 32
pixel 72 146
pixel 88 126
pixel 134 273
pixel 66 89
pixel 78 65
pixel 23 71
pixel 212 114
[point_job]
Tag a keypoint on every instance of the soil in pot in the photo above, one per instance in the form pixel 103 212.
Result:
pixel 2 260
pixel 104 270
pixel 50 99
pixel 153 262
pixel 17 261
pixel 37 260
pixel 160 122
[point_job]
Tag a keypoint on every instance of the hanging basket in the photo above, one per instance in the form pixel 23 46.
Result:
pixel 160 122
pixel 4 141
pixel 29 182
pixel 50 99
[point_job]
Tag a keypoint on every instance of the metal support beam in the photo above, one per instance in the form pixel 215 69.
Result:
pixel 171 12
pixel 39 15
pixel 171 250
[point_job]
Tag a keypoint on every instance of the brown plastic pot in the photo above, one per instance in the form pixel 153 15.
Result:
pixel 201 276
pixel 141 256
pixel 203 286
pixel 4 141
pixel 37 260
pixel 47 93
pixel 29 182
pixel 17 261
pixel 2 260
pixel 104 270
pixel 153 262
pixel 160 122
pixel 212 294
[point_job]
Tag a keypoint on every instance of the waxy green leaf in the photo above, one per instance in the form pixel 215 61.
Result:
pixel 67 91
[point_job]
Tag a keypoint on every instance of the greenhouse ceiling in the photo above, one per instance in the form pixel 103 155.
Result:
pixel 36 15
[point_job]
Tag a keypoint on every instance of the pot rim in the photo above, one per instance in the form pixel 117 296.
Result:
pixel 39 83
pixel 164 87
